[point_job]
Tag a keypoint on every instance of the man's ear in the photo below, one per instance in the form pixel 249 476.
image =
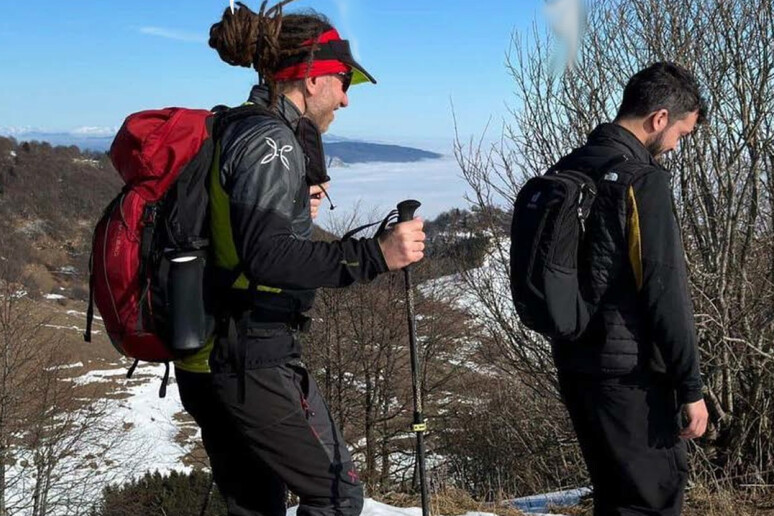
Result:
pixel 313 85
pixel 659 120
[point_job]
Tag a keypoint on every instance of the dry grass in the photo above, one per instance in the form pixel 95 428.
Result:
pixel 700 501
pixel 585 508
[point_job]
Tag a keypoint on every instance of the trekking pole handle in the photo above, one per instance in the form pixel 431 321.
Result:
pixel 406 209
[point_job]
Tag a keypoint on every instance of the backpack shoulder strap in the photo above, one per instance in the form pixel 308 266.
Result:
pixel 595 173
pixel 625 171
pixel 226 116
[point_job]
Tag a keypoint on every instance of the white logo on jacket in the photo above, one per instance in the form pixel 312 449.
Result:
pixel 275 152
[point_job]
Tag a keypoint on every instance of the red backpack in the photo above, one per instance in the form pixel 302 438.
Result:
pixel 164 157
pixel 149 249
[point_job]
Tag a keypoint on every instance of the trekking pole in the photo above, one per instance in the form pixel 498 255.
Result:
pixel 406 212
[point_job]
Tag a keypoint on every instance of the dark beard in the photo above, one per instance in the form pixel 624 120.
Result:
pixel 656 146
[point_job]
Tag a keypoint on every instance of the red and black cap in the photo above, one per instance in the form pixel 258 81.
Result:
pixel 332 55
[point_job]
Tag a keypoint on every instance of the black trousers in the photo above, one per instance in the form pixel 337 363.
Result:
pixel 628 430
pixel 282 436
pixel 269 429
pixel 246 483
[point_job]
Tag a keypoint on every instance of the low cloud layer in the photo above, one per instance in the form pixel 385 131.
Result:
pixel 376 188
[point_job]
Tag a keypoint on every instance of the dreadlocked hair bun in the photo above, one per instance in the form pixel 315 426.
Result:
pixel 262 40
pixel 235 36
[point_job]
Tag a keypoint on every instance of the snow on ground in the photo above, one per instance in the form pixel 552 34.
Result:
pixel 65 366
pixel 150 434
pixel 100 375
pixel 492 273
pixel 132 435
pixel 54 296
pixel 16 295
pixel 149 440
pixel 146 418
pixel 73 327
pixel 83 314
pixel 150 419
pixel 538 504
pixel 374 508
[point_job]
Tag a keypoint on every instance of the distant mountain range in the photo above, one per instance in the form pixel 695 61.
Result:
pixel 338 150
pixel 365 152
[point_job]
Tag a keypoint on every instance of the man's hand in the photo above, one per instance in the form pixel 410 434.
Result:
pixel 403 244
pixel 696 416
pixel 315 198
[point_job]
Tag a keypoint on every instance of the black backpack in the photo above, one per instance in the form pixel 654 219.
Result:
pixel 548 225
pixel 551 291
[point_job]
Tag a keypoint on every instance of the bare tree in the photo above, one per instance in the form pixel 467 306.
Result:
pixel 54 437
pixel 14 356
pixel 358 350
pixel 723 186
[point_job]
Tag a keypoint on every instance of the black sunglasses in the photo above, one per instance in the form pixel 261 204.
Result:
pixel 346 80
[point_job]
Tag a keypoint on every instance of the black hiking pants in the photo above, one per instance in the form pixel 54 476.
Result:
pixel 247 485
pixel 628 430
pixel 283 436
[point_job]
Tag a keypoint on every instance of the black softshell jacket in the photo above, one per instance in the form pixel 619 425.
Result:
pixel 262 169
pixel 645 326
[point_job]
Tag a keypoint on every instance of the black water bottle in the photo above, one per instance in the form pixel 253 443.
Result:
pixel 186 301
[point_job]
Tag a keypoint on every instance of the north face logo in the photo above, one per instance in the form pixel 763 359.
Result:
pixel 611 176
pixel 532 204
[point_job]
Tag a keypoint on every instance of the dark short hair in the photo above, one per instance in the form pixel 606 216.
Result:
pixel 662 85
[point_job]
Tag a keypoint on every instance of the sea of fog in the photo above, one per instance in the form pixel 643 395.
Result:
pixel 370 190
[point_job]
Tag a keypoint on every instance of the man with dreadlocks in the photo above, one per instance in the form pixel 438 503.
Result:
pixel 264 423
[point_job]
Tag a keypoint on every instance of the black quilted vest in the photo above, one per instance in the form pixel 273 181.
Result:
pixel 615 341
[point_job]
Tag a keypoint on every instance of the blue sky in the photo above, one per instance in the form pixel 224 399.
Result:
pixel 74 64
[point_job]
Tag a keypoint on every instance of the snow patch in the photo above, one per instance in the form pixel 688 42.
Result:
pixel 86 161
pixel 542 501
pixel 139 435
pixel 82 314
pixel 100 376
pixel 151 420
pixel 66 366
pixel 54 296
pixel 74 328
pixel 373 508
